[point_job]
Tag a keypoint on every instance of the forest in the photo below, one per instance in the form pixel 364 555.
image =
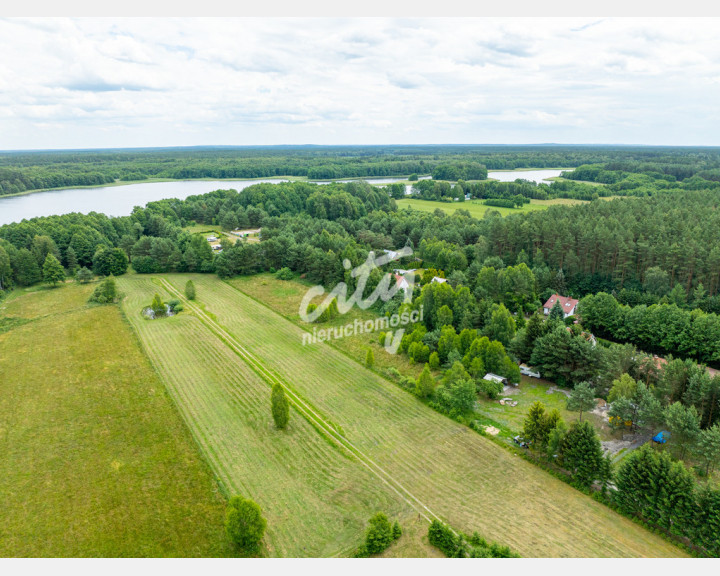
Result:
pixel 27 171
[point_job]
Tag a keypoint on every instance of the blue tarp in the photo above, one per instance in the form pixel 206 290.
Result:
pixel 661 437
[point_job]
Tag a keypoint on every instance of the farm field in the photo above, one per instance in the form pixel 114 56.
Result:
pixel 452 472
pixel 96 461
pixel 316 499
pixel 285 297
pixel 476 207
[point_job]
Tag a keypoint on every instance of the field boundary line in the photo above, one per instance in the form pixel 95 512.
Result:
pixel 303 408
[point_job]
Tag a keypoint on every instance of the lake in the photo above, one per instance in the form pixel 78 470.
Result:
pixel 533 175
pixel 120 200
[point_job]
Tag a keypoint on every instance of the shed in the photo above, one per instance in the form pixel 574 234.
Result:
pixel 495 378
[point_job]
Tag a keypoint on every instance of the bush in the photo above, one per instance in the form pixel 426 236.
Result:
pixel 190 290
pixel 106 292
pixel 284 274
pixel 379 535
pixel 244 524
pixel 175 306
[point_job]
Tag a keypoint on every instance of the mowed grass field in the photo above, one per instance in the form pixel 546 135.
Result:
pixel 458 475
pixel 94 457
pixel 477 208
pixel 316 498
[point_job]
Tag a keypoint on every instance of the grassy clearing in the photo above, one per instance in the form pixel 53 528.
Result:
pixel 38 301
pixel 476 207
pixel 461 476
pixel 96 461
pixel 316 498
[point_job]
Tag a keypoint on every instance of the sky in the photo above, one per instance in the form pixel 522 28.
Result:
pixel 110 82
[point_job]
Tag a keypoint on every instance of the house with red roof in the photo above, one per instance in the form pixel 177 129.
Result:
pixel 568 304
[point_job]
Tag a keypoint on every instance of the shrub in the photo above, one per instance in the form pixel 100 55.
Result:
pixel 280 406
pixel 284 274
pixel 379 535
pixel 244 524
pixel 106 292
pixel 83 276
pixel 190 290
pixel 370 358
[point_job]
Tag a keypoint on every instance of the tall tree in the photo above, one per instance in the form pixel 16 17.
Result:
pixel 582 398
pixel 581 453
pixel 53 272
pixel 708 448
pixel 684 425
pixel 425 385
pixel 280 406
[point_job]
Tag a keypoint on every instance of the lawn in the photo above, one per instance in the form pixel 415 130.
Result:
pixel 449 470
pixel 96 460
pixel 316 499
pixel 477 208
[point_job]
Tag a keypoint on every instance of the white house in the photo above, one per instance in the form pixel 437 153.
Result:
pixel 568 305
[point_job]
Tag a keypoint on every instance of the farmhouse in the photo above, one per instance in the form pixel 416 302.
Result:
pixel 401 283
pixel 568 304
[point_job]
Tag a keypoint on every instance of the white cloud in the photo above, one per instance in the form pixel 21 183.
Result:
pixel 158 82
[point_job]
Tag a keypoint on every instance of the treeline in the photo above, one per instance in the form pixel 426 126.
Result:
pixel 662 328
pixel 24 171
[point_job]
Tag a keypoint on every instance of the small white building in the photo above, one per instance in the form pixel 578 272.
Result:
pixel 438 280
pixel 495 378
pixel 211 239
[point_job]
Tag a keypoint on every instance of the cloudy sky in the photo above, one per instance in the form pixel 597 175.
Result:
pixel 88 83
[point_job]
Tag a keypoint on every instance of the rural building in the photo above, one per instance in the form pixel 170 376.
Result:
pixel 438 280
pixel 211 239
pixel 568 304
pixel 495 378
pixel 401 283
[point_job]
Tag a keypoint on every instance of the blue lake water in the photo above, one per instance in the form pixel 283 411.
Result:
pixel 120 200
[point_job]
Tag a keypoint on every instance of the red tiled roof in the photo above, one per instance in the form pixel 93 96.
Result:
pixel 566 302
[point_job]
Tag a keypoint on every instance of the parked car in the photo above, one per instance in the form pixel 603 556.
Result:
pixel 520 441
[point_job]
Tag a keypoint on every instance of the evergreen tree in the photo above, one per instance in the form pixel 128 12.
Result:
pixel 708 448
pixel 684 425
pixel 582 398
pixel 651 486
pixel 84 275
pixel 557 314
pixel 53 272
pixel 370 358
pixel 244 524
pixel 534 429
pixel 280 406
pixel 434 361
pixel 190 290
pixel 581 454
pixel 71 261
